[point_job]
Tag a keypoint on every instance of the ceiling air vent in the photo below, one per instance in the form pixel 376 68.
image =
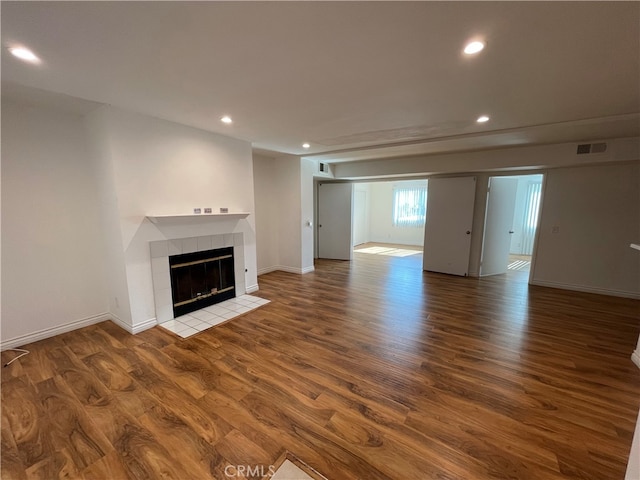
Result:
pixel 585 148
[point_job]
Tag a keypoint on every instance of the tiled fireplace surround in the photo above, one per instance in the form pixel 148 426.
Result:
pixel 162 249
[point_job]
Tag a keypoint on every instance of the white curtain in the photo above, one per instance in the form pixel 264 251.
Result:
pixel 409 206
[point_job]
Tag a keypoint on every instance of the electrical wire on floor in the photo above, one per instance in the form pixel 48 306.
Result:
pixel 22 354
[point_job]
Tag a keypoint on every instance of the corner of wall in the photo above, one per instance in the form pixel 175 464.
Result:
pixel 100 148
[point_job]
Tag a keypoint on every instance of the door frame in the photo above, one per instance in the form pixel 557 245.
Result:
pixel 541 173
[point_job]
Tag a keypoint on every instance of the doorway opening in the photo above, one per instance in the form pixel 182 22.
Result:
pixel 389 218
pixel 511 220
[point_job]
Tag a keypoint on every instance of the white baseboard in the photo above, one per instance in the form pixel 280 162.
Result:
pixel 252 288
pixel 586 289
pixel 137 328
pixel 145 325
pixel 635 358
pixel 264 271
pixel 284 268
pixel 53 331
pixel 308 269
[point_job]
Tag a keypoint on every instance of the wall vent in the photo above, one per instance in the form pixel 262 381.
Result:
pixel 586 148
pixel 324 167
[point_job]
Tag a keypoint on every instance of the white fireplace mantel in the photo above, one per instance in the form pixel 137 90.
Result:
pixel 159 218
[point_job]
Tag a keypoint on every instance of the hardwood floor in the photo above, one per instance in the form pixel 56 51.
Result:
pixel 371 369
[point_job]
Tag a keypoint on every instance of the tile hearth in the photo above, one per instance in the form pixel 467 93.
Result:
pixel 208 317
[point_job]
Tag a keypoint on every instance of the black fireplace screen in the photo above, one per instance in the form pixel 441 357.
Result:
pixel 201 279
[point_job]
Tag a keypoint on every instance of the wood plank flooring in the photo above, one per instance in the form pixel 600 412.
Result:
pixel 371 369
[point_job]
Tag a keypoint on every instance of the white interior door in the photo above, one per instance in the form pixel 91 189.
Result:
pixel 335 213
pixel 447 233
pixel 498 225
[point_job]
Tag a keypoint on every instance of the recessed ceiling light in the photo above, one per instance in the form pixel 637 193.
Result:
pixel 306 145
pixel 482 119
pixel 473 47
pixel 226 119
pixel 24 54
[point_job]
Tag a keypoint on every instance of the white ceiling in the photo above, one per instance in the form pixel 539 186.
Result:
pixel 357 80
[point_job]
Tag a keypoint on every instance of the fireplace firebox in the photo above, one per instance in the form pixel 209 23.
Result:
pixel 201 279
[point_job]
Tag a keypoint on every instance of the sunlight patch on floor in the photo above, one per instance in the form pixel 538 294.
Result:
pixel 519 265
pixel 390 252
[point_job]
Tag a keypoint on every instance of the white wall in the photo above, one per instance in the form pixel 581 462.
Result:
pixel 266 191
pixel 381 227
pixel 284 199
pixel 361 216
pixel 289 215
pixel 162 168
pixel 589 217
pixel 53 266
pixel 116 274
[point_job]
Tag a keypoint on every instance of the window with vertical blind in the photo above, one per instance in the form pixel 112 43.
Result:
pixel 409 206
pixel 530 220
